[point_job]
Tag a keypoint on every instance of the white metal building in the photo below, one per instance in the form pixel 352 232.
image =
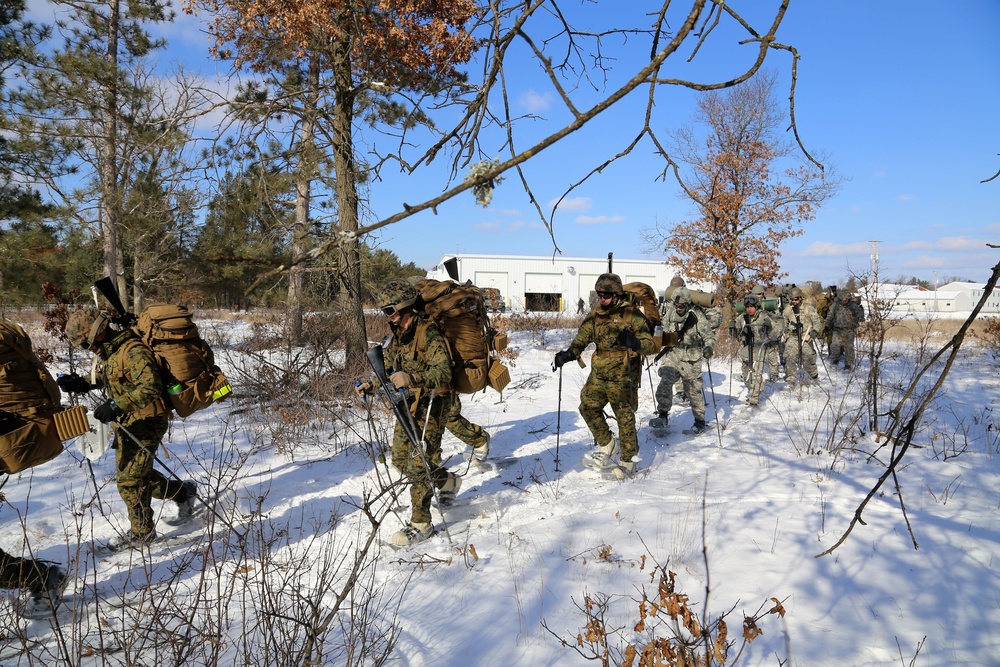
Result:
pixel 956 297
pixel 548 284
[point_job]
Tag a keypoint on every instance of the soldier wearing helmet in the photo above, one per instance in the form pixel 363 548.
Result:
pixel 695 338
pixel 801 336
pixel 772 355
pixel 756 331
pixel 130 379
pixel 842 321
pixel 622 336
pixel 417 362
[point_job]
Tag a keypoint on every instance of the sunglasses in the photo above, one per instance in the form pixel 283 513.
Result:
pixel 796 298
pixel 605 295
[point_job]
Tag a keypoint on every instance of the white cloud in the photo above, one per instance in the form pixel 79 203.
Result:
pixel 827 249
pixel 572 204
pixel 535 102
pixel 905 198
pixel 599 219
pixel 960 243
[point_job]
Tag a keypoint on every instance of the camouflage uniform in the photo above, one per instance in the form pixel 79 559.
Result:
pixel 471 434
pixel 682 363
pixel 802 334
pixel 842 321
pixel 763 328
pixel 130 377
pixel 772 354
pixel 421 351
pixel 615 371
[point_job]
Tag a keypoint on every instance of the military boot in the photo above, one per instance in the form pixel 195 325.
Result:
pixel 601 458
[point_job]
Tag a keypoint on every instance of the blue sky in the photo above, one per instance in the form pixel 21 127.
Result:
pixel 900 95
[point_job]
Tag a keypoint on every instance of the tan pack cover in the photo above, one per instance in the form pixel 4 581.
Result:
pixel 28 398
pixel 459 311
pixel 169 330
pixel 643 296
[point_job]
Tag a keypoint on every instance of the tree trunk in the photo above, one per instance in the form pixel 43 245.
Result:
pixel 109 170
pixel 355 333
pixel 303 195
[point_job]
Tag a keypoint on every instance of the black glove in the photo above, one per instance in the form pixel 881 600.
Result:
pixel 107 412
pixel 627 339
pixel 708 352
pixel 73 383
pixel 813 335
pixel 562 358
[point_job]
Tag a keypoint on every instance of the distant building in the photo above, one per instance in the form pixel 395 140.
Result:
pixel 547 284
pixel 956 297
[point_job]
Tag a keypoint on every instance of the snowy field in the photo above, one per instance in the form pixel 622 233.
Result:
pixel 531 554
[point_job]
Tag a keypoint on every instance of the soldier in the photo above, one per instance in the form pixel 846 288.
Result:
pixel 622 337
pixel 842 321
pixel 44 581
pixel 756 331
pixel 695 340
pixel 474 435
pixel 418 362
pixel 772 355
pixel 134 391
pixel 801 336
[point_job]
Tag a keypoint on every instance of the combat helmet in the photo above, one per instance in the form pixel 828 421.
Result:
pixel 609 282
pixel 677 281
pixel 751 300
pixel 396 295
pixel 682 298
pixel 85 326
pixel 759 289
pixel 796 293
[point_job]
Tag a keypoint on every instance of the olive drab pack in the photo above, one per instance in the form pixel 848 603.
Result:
pixel 29 401
pixel 460 313
pixel 187 364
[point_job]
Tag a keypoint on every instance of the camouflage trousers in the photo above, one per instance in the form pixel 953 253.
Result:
pixel 471 434
pixel 18 572
pixel 690 377
pixel 792 361
pixel 842 342
pixel 624 398
pixel 138 482
pixel 753 375
pixel 415 461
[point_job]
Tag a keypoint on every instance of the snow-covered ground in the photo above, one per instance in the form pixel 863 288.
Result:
pixel 740 514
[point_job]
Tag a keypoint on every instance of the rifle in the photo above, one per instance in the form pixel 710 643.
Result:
pixel 397 400
pixel 106 286
pixel 748 335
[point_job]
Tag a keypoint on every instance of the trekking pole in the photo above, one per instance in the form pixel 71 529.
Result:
pixel 711 386
pixel 819 353
pixel 558 417
pixel 226 522
pixel 427 465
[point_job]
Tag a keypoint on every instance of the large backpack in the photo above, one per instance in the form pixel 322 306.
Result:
pixel 643 297
pixel 29 402
pixel 187 363
pixel 460 313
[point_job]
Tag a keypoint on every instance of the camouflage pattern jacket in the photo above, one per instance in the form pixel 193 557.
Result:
pixel 131 377
pixel 612 361
pixel 422 352
pixel 765 329
pixel 694 333
pixel 845 317
pixel 804 321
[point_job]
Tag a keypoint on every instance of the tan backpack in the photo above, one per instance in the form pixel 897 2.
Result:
pixel 642 296
pixel 459 312
pixel 29 397
pixel 187 363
